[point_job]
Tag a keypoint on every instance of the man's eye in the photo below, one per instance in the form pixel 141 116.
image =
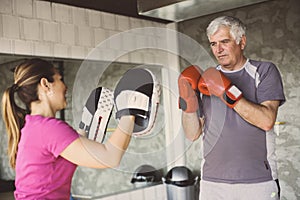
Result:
pixel 212 44
pixel 225 41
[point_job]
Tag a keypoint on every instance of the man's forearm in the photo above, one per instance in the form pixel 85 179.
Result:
pixel 192 125
pixel 261 115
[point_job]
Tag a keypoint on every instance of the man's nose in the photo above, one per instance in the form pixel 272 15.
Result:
pixel 219 47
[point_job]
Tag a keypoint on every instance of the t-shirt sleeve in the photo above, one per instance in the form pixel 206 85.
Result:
pixel 59 136
pixel 270 86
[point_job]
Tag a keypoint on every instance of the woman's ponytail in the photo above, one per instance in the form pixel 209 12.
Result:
pixel 13 117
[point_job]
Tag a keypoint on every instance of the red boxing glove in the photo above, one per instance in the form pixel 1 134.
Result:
pixel 214 82
pixel 188 86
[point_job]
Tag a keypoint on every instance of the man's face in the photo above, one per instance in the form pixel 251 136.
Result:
pixel 228 54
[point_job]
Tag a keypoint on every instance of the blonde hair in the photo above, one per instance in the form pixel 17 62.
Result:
pixel 27 76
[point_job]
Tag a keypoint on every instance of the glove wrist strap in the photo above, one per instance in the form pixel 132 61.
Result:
pixel 189 105
pixel 232 95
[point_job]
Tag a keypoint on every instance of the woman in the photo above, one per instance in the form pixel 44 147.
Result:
pixel 44 150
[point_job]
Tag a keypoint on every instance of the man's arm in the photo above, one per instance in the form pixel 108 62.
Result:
pixel 192 125
pixel 260 115
pixel 188 101
pixel 214 82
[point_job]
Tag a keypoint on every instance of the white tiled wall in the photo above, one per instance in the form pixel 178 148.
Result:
pixel 39 28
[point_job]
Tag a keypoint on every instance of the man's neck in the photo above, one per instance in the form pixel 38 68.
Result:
pixel 235 67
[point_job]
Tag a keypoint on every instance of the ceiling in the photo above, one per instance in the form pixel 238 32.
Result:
pixel 164 11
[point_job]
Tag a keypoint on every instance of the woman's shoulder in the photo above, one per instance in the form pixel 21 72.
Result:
pixel 45 122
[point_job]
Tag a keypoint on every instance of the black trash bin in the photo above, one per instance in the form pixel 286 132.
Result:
pixel 146 175
pixel 181 184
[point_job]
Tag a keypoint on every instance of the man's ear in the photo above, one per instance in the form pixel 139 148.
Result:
pixel 243 42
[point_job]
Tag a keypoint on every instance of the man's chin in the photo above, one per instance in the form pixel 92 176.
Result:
pixel 223 61
pixel 224 64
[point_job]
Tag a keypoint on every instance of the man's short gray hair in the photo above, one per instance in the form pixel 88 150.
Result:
pixel 237 28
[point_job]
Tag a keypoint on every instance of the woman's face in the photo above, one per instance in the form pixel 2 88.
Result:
pixel 57 93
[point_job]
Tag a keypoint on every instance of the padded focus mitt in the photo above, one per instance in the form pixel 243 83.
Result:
pixel 96 113
pixel 137 93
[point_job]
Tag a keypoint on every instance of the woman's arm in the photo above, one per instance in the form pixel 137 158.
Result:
pixel 88 153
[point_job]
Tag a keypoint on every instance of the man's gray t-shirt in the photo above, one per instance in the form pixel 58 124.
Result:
pixel 234 150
